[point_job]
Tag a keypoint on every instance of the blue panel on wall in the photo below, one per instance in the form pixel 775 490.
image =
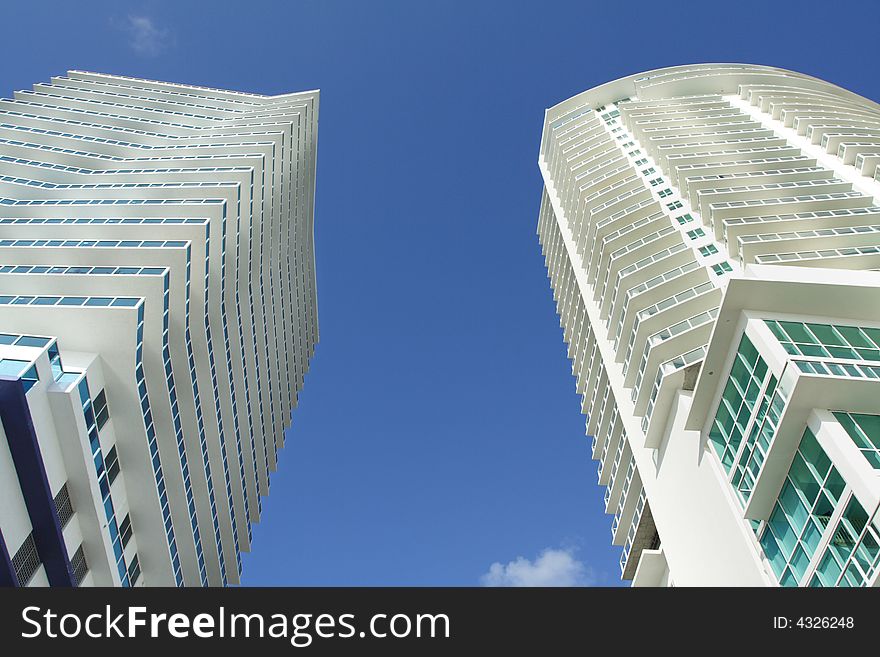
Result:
pixel 25 449
pixel 7 571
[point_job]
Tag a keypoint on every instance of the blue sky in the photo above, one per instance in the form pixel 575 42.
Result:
pixel 439 431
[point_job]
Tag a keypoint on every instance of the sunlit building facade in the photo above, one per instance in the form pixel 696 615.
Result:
pixel 712 237
pixel 157 317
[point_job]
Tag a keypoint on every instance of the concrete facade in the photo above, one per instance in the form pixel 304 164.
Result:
pixel 691 218
pixel 158 311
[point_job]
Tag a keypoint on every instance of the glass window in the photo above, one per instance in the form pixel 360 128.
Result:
pixel 804 480
pixel 125 530
pixel 864 430
pixel 801 516
pixel 854 336
pixel 828 570
pixel 826 334
pixel 32 341
pixel 797 332
pixel 827 341
pixel 737 403
pixel 709 249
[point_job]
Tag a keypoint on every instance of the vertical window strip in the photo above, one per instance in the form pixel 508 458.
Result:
pixel 812 491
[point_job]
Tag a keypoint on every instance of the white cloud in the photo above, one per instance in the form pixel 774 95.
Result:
pixel 551 568
pixel 147 38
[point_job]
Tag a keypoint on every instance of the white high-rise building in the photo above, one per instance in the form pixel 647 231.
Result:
pixel 712 235
pixel 157 316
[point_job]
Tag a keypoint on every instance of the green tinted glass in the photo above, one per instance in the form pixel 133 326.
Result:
pixel 826 334
pixel 797 332
pixel 828 570
pixel 870 425
pixel 854 336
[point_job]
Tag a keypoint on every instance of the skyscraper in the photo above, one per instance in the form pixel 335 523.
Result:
pixel 712 236
pixel 157 317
